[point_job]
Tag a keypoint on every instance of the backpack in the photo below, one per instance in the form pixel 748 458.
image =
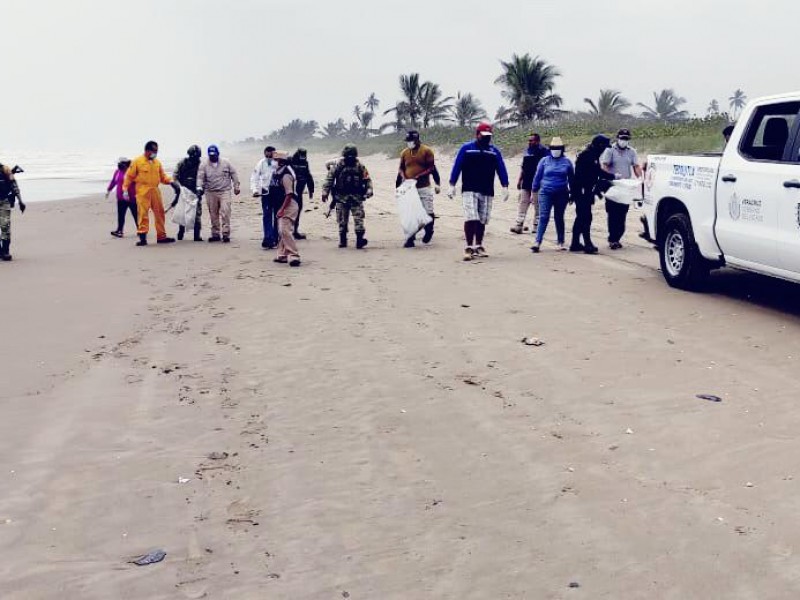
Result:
pixel 6 191
pixel 349 180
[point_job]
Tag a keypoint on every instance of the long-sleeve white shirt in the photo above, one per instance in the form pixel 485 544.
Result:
pixel 262 175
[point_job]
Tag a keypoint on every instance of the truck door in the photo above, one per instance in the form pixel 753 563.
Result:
pixel 750 186
pixel 789 207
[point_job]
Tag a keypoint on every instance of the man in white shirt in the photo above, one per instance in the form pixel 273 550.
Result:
pixel 259 185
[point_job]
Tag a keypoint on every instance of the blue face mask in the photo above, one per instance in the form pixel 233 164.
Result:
pixel 153 155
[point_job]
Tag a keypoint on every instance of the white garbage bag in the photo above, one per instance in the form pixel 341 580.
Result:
pixel 625 191
pixel 413 215
pixel 186 210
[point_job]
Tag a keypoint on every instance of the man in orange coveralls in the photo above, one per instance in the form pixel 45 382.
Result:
pixel 147 173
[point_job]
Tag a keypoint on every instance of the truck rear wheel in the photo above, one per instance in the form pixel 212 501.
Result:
pixel 681 262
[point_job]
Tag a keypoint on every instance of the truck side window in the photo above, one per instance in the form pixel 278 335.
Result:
pixel 768 131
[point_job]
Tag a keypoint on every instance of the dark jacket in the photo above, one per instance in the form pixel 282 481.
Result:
pixel 530 161
pixel 186 173
pixel 303 173
pixel 589 175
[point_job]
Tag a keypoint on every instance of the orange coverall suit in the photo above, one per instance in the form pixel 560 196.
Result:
pixel 147 175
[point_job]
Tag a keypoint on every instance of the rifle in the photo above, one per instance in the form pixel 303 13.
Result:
pixel 333 204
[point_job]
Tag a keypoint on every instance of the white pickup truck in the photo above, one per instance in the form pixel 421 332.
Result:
pixel 740 209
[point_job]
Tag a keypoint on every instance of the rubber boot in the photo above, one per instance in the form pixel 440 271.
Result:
pixel 197 237
pixel 181 231
pixel 361 241
pixel 142 240
pixel 5 253
pixel 410 242
pixel 343 240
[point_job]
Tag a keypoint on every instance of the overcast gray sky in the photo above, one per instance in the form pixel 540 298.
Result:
pixel 107 74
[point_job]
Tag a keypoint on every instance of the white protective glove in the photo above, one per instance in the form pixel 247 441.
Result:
pixel 504 194
pixel 451 192
pixel 126 197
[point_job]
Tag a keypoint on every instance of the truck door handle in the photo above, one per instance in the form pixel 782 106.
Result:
pixel 792 183
pixel 729 178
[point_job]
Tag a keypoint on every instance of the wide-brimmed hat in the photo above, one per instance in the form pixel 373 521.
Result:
pixel 122 159
pixel 557 142
pixel 280 155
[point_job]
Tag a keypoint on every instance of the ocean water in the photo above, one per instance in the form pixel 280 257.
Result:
pixel 65 175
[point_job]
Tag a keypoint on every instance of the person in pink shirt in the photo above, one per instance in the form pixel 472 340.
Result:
pixel 126 199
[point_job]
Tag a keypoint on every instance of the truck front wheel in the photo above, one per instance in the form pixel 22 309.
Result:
pixel 681 262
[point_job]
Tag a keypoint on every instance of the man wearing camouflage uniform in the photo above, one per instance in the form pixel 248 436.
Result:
pixel 351 184
pixel 186 175
pixel 9 194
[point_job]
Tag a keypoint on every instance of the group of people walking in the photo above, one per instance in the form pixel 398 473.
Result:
pixel 548 182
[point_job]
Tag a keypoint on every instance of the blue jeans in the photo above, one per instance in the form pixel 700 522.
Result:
pixel 269 220
pixel 556 202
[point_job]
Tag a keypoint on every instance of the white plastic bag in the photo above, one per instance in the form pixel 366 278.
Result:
pixel 625 191
pixel 186 210
pixel 413 216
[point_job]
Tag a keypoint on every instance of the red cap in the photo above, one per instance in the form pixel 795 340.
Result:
pixel 484 129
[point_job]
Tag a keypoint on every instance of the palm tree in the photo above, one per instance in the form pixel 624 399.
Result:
pixel 372 103
pixel 713 108
pixel 666 107
pixel 467 110
pixel 334 129
pixel 432 106
pixel 408 111
pixel 528 84
pixel 357 111
pixel 610 103
pixel 737 102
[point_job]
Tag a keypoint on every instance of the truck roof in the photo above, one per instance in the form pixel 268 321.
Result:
pixel 785 96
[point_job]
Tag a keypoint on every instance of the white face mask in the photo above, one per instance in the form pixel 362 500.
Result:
pixel 622 143
pixel 411 145
pixel 556 153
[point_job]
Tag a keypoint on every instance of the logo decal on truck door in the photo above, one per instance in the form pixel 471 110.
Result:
pixel 735 207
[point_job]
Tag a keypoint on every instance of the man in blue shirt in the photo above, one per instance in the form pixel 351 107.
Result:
pixel 477 163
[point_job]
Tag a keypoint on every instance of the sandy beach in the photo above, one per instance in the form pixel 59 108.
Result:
pixel 369 426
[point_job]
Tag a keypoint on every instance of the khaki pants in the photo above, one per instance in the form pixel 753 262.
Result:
pixel 526 198
pixel 287 246
pixel 219 208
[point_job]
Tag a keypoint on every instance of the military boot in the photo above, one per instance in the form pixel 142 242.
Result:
pixel 361 241
pixel 426 239
pixel 343 240
pixel 4 250
pixel 142 240
pixel 181 231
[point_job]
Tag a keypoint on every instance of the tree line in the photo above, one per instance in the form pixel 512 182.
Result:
pixel 528 89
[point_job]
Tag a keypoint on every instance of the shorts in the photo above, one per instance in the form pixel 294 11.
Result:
pixel 426 195
pixel 477 207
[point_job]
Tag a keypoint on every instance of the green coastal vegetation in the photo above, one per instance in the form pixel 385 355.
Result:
pixel 530 104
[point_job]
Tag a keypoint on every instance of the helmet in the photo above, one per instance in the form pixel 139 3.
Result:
pixel 194 151
pixel 350 150
pixel 302 152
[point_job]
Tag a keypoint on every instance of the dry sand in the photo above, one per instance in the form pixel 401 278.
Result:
pixel 388 435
